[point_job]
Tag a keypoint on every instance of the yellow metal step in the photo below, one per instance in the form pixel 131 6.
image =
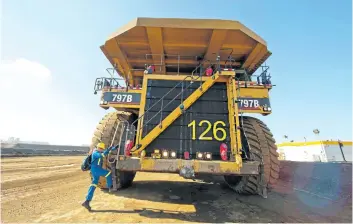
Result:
pixel 156 131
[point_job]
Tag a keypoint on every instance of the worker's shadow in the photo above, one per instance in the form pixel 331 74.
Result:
pixel 196 201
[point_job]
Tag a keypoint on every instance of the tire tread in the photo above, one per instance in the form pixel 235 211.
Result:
pixel 263 149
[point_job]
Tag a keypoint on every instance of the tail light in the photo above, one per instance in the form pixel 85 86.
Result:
pixel 223 150
pixel 173 154
pixel 128 146
pixel 199 155
pixel 165 154
pixel 186 155
pixel 208 156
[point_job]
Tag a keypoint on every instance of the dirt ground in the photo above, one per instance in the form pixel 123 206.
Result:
pixel 51 190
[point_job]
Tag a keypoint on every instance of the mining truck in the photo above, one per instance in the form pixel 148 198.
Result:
pixel 182 92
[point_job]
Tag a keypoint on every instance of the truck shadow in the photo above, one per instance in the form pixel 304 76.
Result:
pixel 193 202
pixel 215 203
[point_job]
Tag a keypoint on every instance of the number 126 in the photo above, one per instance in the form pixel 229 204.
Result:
pixel 209 126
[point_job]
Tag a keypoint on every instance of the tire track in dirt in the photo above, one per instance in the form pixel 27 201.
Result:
pixel 27 197
pixel 55 195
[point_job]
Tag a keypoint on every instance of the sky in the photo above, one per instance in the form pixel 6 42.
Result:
pixel 50 57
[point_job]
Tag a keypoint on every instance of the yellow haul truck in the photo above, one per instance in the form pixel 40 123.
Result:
pixel 180 94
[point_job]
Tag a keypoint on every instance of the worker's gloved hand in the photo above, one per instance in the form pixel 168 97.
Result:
pixel 114 147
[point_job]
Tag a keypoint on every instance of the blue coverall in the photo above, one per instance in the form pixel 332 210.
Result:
pixel 97 171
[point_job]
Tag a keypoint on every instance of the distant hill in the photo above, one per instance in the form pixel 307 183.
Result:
pixel 25 149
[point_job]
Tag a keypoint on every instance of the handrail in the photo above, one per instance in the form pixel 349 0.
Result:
pixel 170 102
pixel 171 91
pixel 161 110
pixel 161 99
pixel 201 72
pixel 140 127
pixel 244 72
pixel 201 64
pixel 264 76
pixel 229 58
pixel 163 60
pixel 104 82
pixel 101 82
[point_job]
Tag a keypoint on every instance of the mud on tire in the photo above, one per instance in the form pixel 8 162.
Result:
pixel 260 144
pixel 104 132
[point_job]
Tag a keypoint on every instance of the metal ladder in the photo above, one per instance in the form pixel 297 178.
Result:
pixel 125 134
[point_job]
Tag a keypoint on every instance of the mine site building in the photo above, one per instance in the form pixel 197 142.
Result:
pixel 318 151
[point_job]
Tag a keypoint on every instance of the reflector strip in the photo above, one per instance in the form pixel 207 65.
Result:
pixel 107 174
pixel 93 185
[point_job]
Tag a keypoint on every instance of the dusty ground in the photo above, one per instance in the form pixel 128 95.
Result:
pixel 51 189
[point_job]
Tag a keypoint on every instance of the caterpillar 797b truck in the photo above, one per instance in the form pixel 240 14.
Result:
pixel 182 93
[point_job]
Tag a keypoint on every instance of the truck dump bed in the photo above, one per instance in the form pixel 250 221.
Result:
pixel 177 45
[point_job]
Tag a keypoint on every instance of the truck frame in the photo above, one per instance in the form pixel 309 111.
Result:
pixel 179 89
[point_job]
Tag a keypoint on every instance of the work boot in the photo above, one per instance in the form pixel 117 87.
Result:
pixel 86 205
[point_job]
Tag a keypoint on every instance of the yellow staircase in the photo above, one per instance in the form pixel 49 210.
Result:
pixel 156 131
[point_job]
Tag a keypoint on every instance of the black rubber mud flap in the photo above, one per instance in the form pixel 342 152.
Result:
pixel 262 189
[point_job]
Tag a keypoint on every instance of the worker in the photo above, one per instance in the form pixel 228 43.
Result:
pixel 149 69
pixel 152 69
pixel 146 69
pixel 97 171
pixel 209 71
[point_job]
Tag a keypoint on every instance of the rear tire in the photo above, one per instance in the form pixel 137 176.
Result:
pixel 260 146
pixel 104 132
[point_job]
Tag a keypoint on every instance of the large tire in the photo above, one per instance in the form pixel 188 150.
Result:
pixel 260 146
pixel 104 132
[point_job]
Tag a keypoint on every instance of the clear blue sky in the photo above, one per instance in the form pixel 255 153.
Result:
pixel 311 44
